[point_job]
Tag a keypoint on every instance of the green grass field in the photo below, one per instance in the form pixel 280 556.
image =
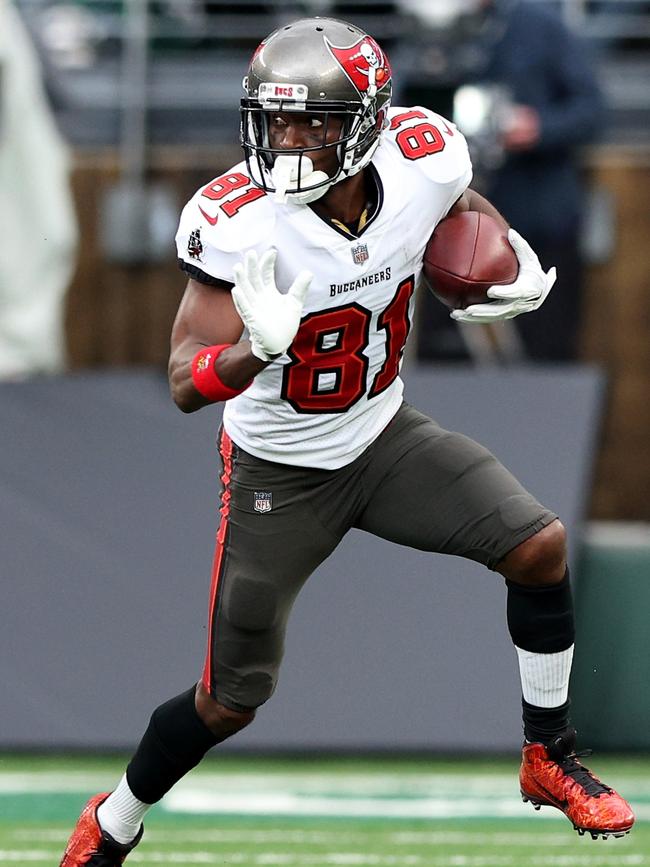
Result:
pixel 323 812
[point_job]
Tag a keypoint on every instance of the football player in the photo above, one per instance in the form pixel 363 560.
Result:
pixel 303 261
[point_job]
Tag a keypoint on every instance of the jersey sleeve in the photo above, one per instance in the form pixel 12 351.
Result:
pixel 435 147
pixel 213 233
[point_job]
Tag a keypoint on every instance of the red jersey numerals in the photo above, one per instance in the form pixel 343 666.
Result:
pixel 328 367
pixel 223 187
pixel 419 140
pixel 327 372
pixel 395 320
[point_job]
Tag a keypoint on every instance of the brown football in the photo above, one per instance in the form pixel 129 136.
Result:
pixel 467 254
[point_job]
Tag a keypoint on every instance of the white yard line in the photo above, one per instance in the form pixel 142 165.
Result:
pixel 157 836
pixel 351 859
pixel 304 782
pixel 356 859
pixel 11 855
pixel 427 796
pixel 279 803
pixel 288 803
pixel 375 784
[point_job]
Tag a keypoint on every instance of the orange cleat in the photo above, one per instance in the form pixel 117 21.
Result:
pixel 90 846
pixel 552 777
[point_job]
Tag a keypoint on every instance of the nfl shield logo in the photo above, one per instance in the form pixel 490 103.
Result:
pixel 360 254
pixel 263 501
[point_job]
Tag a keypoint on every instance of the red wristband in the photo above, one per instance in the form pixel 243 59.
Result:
pixel 205 377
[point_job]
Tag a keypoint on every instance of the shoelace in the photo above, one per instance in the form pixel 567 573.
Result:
pixel 583 776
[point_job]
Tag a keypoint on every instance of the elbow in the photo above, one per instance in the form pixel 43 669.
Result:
pixel 184 404
pixel 186 399
pixel 179 399
pixel 182 390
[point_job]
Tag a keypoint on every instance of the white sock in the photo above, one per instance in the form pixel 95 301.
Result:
pixel 545 676
pixel 121 813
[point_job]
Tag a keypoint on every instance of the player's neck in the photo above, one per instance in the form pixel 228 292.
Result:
pixel 345 201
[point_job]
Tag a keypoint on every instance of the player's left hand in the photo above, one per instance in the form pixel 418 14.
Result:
pixel 528 292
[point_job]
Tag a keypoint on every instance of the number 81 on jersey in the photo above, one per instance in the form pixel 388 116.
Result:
pixel 328 368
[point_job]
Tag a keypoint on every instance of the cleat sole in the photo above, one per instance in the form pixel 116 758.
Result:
pixel 603 834
pixel 593 833
pixel 537 805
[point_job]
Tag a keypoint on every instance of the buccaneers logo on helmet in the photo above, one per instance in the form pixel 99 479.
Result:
pixel 364 63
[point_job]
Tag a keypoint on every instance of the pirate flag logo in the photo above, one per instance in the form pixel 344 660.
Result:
pixel 195 246
pixel 365 64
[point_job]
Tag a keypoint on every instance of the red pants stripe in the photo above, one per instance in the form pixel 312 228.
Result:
pixel 225 448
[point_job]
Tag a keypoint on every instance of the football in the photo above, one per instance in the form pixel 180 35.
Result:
pixel 467 254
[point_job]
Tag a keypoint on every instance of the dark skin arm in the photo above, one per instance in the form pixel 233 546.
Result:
pixel 473 201
pixel 207 317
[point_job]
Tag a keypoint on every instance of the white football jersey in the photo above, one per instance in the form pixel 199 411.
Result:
pixel 337 386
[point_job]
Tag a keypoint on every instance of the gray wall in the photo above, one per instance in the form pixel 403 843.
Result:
pixel 108 505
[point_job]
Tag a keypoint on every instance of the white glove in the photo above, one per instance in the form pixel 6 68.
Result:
pixel 528 292
pixel 272 319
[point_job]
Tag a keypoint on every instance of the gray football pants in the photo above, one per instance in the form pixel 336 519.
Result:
pixel 417 484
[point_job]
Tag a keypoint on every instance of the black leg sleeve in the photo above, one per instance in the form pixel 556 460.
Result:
pixel 540 619
pixel 175 742
pixel 544 724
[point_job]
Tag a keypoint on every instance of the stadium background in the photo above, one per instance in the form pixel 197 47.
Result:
pixel 108 495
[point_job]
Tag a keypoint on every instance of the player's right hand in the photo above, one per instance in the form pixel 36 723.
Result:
pixel 271 317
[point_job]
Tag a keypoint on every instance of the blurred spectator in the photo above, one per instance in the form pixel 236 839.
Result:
pixel 545 102
pixel 39 230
